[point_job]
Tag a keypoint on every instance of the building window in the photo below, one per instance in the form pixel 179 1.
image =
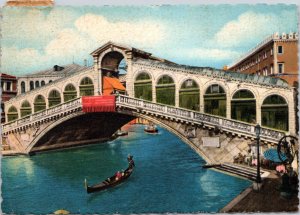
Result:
pixel 280 49
pixel 42 83
pixel 271 52
pixel 37 84
pixel 8 86
pixel 280 68
pixel 22 87
pixel 31 85
pixel 271 69
pixel 50 81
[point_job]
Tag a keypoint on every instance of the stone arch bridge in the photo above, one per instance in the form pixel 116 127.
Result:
pixel 215 103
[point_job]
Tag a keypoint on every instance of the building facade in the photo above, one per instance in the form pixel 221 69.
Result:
pixel 37 79
pixel 8 91
pixel 276 56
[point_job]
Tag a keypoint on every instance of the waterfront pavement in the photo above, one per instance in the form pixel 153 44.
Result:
pixel 268 199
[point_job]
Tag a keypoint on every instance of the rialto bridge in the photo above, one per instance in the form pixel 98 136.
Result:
pixel 216 103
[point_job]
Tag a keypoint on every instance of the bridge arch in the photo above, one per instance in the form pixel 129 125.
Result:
pixel 215 98
pixel 189 94
pixel 165 88
pixel 275 112
pixel 86 86
pixel 143 85
pixel 39 103
pixel 12 113
pixel 25 109
pixel 109 61
pixel 69 92
pixel 243 105
pixel 54 97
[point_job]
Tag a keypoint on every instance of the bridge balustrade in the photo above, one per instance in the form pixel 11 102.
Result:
pixel 237 127
pixel 228 125
pixel 31 119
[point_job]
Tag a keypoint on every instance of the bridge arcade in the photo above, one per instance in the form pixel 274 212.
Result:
pixel 248 98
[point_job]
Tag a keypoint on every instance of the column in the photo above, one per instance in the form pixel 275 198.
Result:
pixel 176 95
pixel 98 88
pixel 153 91
pixel 258 110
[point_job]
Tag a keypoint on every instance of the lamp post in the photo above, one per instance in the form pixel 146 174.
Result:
pixel 257 132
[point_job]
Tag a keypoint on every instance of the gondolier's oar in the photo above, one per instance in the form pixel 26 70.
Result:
pixel 85 184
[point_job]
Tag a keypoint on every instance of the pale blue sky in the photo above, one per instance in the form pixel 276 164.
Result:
pixel 208 35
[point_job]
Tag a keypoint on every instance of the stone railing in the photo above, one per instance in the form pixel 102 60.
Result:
pixel 224 124
pixel 31 119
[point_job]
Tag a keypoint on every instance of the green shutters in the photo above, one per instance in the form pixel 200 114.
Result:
pixel 70 92
pixel 165 91
pixel 243 106
pixel 143 87
pixel 12 114
pixel 25 109
pixel 39 103
pixel 274 113
pixel 86 87
pixel 54 98
pixel 215 100
pixel 189 96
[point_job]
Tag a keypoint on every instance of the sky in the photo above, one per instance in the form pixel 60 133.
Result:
pixel 34 39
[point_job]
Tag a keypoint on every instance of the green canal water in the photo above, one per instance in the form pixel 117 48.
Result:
pixel 167 178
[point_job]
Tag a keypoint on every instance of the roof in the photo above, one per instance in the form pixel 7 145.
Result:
pixel 7 76
pixel 138 52
pixel 64 71
pixel 218 73
pixel 111 84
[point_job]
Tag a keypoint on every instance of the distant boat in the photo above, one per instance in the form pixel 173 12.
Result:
pixel 150 129
pixel 122 133
pixel 112 181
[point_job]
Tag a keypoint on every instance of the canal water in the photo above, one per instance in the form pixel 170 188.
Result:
pixel 168 178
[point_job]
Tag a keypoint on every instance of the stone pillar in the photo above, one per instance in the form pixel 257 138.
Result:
pixel 153 91
pixel 176 95
pixel 258 110
pixel 228 105
pixel 98 84
pixel 201 101
pixel 129 78
pixel 292 113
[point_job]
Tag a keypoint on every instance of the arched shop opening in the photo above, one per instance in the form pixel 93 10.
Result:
pixel 39 103
pixel 86 87
pixel 243 106
pixel 215 100
pixel 70 92
pixel 54 98
pixel 25 109
pixel 114 69
pixel 143 87
pixel 12 114
pixel 274 113
pixel 189 96
pixel 165 90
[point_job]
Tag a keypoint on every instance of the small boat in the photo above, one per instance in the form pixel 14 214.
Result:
pixel 112 181
pixel 151 129
pixel 122 133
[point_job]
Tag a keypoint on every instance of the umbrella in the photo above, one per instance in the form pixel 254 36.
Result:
pixel 61 211
pixel 272 155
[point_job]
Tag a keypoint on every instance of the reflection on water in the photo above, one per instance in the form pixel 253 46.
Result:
pixel 167 178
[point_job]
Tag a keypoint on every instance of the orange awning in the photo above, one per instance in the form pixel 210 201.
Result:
pixel 111 84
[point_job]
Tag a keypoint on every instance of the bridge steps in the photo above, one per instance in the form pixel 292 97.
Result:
pixel 239 170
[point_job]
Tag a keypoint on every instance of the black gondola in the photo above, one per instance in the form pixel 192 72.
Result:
pixel 111 182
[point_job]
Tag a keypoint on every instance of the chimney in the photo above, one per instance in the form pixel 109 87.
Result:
pixel 85 62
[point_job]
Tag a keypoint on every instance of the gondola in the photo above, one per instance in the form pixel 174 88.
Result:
pixel 122 133
pixel 111 182
pixel 151 129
